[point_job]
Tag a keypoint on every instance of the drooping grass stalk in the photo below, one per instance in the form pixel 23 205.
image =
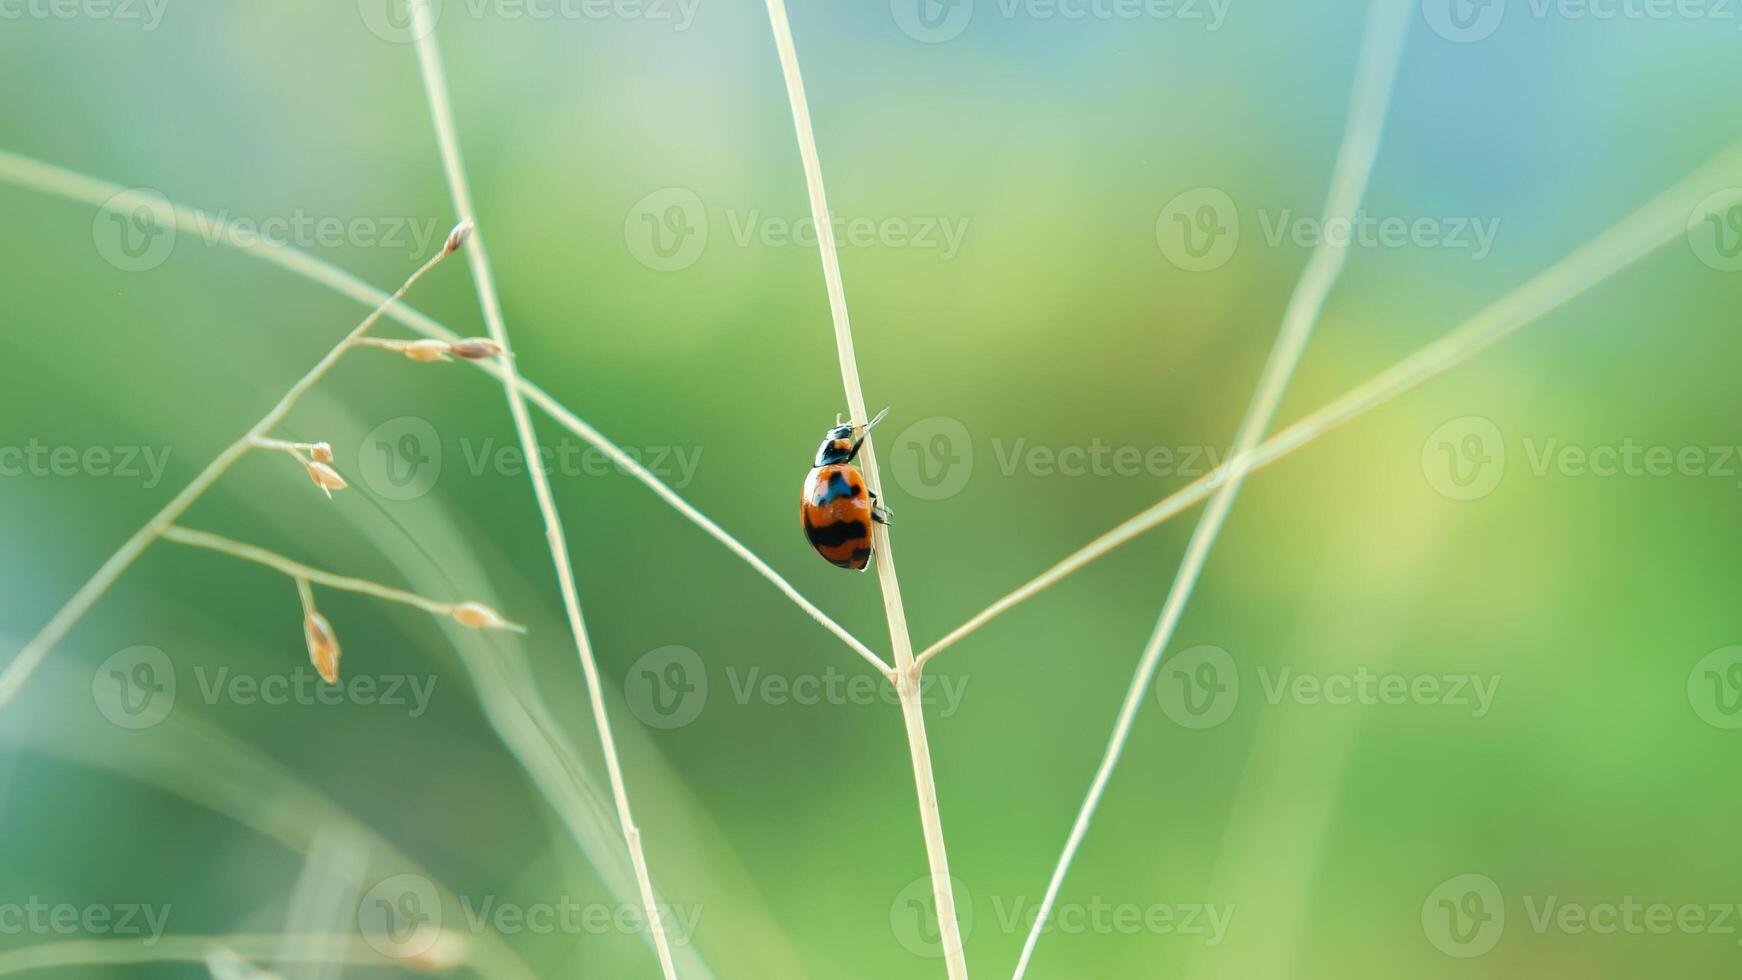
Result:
pixel 322 903
pixel 22 666
pixel 1654 225
pixel 306 573
pixel 1387 22
pixel 1306 764
pixel 435 89
pixel 510 700
pixel 192 759
pixel 51 179
pixel 907 675
pixel 342 948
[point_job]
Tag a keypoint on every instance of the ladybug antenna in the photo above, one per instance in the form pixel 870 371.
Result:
pixel 837 420
pixel 876 419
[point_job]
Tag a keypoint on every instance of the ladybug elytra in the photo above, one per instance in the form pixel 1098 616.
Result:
pixel 837 508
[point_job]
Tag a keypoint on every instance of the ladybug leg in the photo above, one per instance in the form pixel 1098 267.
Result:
pixel 880 513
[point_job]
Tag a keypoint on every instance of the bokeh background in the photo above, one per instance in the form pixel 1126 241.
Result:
pixel 636 172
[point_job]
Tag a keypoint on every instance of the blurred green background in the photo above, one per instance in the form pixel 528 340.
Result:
pixel 636 172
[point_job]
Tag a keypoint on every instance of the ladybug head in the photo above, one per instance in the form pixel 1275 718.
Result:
pixel 841 443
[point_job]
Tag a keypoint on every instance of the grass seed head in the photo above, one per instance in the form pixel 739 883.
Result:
pixel 325 477
pixel 427 350
pixel 458 237
pixel 476 348
pixel 482 617
pixel 321 452
pixel 323 645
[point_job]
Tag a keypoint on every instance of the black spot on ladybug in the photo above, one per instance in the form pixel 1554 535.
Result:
pixel 838 487
pixel 839 533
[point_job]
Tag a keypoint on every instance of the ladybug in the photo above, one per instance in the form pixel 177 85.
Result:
pixel 837 508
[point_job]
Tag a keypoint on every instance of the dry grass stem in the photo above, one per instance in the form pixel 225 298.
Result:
pixel 49 178
pixel 1382 48
pixel 17 672
pixel 1656 224
pixel 906 678
pixel 441 113
pixel 320 452
pixel 474 614
pixel 349 950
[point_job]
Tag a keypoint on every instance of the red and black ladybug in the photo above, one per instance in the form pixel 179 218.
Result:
pixel 837 507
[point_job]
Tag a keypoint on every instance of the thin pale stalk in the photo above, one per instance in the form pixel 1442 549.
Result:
pixel 1383 46
pixel 307 573
pixel 907 672
pixel 1656 224
pixel 341 948
pixel 189 757
pixel 59 181
pixel 435 89
pixel 22 666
